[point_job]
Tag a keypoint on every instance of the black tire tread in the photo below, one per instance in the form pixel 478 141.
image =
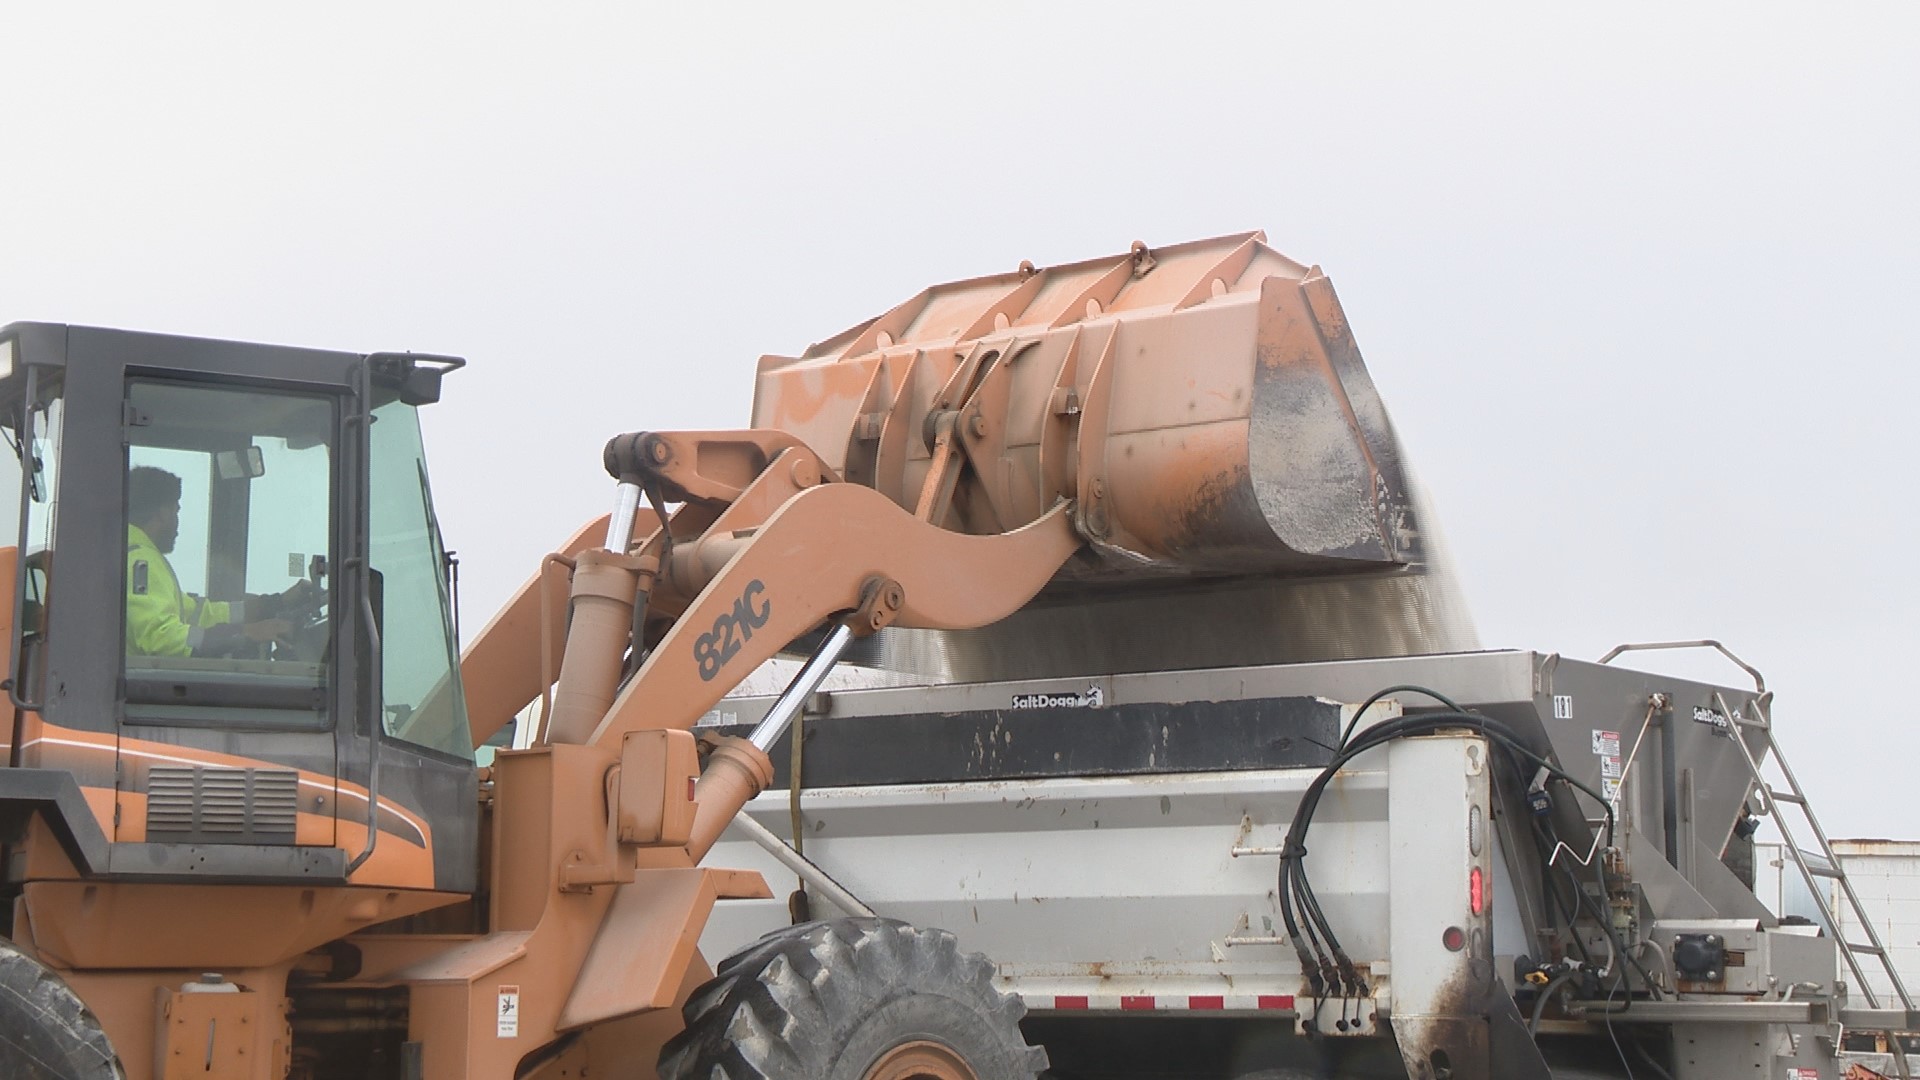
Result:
pixel 46 1031
pixel 781 1008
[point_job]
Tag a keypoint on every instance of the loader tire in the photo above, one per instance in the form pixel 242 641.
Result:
pixel 852 999
pixel 46 1031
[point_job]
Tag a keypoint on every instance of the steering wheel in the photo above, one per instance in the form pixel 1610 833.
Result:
pixel 311 635
pixel 308 642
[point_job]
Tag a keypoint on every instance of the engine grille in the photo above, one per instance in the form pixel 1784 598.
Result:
pixel 205 805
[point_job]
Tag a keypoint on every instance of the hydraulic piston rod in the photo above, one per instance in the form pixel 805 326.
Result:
pixel 603 597
pixel 739 769
pixel 626 501
pixel 794 697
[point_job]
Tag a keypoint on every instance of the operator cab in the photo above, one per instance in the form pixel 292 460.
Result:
pixel 231 651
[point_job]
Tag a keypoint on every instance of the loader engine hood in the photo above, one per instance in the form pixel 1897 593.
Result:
pixel 1206 410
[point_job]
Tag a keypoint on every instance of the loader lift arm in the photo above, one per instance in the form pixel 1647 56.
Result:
pixel 812 559
pixel 767 546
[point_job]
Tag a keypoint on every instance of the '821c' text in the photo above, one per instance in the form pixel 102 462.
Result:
pixel 732 629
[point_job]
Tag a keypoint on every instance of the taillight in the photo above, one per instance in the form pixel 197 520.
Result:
pixel 1476 891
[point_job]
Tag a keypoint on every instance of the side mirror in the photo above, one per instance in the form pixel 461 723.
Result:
pixel 246 464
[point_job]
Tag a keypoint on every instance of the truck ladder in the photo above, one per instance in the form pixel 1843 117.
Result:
pixel 1773 800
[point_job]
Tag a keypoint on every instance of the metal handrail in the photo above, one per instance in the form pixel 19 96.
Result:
pixel 1759 683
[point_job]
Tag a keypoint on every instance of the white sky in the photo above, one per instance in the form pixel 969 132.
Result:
pixel 1638 285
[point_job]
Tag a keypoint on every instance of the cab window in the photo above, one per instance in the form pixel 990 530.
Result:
pixel 229 530
pixel 29 479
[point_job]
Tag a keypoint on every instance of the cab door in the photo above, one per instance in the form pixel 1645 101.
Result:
pixel 227 719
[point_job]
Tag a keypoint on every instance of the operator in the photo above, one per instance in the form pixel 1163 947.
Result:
pixel 163 619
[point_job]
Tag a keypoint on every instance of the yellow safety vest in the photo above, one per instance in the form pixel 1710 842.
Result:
pixel 162 619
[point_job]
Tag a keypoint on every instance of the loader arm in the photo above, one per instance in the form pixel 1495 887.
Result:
pixel 728 482
pixel 808 562
pixel 781 548
pixel 768 544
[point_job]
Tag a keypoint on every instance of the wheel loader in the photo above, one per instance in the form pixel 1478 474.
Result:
pixel 1176 755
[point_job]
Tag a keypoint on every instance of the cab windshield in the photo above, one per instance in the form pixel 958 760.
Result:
pixel 420 668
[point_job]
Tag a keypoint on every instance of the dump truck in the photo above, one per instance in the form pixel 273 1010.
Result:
pixel 1176 753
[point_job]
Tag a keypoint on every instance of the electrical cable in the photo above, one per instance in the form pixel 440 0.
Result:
pixel 1647 1058
pixel 1404 688
pixel 1426 723
pixel 1614 943
pixel 1546 993
pixel 1580 904
pixel 1615 947
pixel 1666 962
pixel 1566 910
pixel 1607 1016
pixel 1322 958
pixel 1616 950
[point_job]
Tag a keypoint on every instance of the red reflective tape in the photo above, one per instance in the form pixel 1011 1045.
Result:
pixel 1070 1002
pixel 1276 1001
pixel 1135 1002
pixel 1206 1001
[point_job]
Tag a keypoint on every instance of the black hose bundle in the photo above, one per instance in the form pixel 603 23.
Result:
pixel 1328 968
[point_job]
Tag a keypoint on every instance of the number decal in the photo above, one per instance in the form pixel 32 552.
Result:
pixel 732 629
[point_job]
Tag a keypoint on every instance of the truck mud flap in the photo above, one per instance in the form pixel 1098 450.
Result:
pixel 1488 1041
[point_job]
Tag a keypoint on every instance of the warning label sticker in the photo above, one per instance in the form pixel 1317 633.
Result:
pixel 1606 747
pixel 508 1017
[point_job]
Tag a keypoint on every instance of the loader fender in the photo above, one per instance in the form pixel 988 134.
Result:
pixel 852 999
pixel 46 1031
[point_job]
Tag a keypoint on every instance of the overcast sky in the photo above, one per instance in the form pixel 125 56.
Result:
pixel 1638 285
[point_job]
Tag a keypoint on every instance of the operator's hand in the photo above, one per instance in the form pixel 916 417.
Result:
pixel 240 639
pixel 303 596
pixel 221 640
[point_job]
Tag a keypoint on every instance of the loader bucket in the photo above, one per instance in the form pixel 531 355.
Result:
pixel 1205 408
